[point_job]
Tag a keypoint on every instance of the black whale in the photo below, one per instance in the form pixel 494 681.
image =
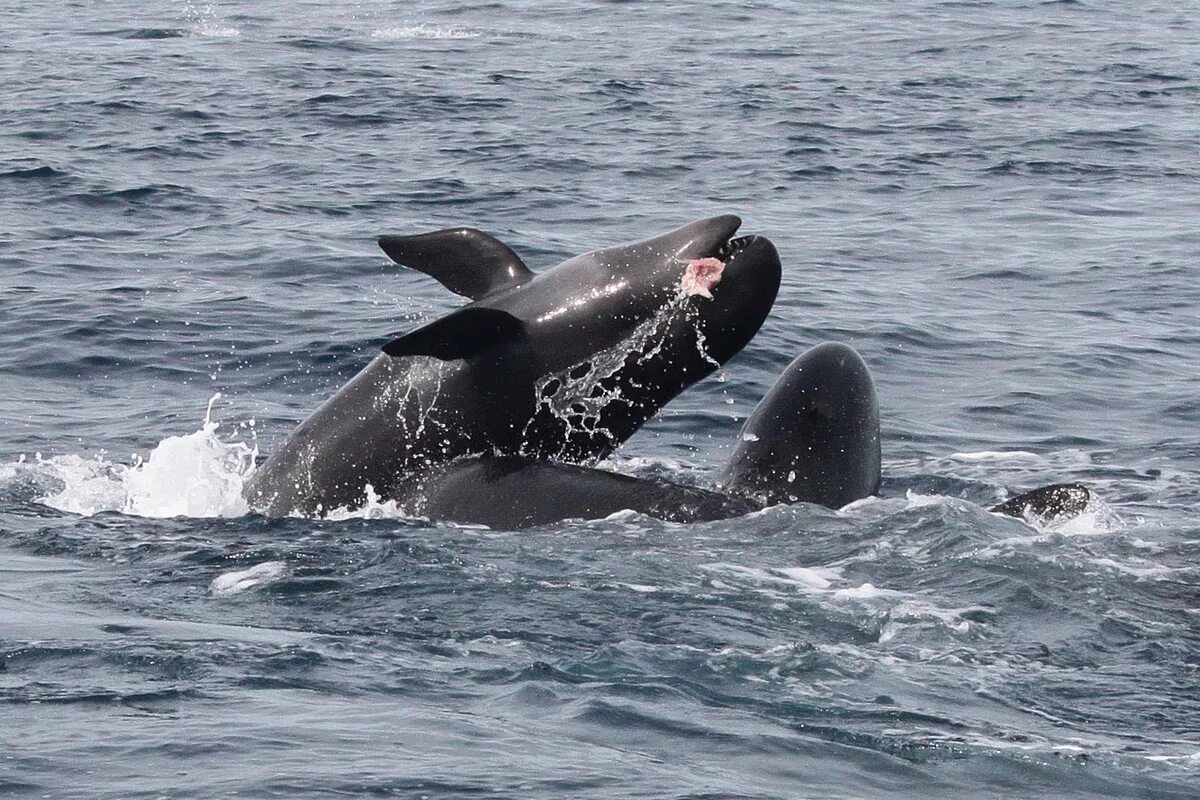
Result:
pixel 813 438
pixel 562 365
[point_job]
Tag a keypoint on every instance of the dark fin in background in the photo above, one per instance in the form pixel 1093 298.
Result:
pixel 1055 502
pixel 462 334
pixel 464 260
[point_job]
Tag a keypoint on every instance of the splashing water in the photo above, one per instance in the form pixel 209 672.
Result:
pixel 206 20
pixel 414 400
pixel 579 394
pixel 374 507
pixel 196 475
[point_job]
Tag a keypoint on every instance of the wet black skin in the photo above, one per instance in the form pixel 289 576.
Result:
pixel 513 492
pixel 814 438
pixel 1059 501
pixel 468 382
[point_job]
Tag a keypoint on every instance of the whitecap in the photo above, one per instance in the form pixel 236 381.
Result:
pixel 996 455
pixel 423 31
pixel 864 592
pixel 231 583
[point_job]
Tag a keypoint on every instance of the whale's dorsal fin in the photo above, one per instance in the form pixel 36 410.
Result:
pixel 462 334
pixel 464 260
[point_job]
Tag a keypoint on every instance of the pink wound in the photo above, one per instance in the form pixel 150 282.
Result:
pixel 700 276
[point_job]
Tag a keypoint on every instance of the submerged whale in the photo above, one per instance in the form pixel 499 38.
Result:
pixel 562 365
pixel 814 438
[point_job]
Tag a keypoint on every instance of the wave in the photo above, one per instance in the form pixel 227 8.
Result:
pixel 423 31
pixel 34 173
pixel 200 475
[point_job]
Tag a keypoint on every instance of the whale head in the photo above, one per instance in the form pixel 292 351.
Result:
pixel 702 276
pixel 634 325
pixel 814 437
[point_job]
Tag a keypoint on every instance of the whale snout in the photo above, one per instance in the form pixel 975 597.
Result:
pixel 705 238
pixel 749 254
pixel 752 267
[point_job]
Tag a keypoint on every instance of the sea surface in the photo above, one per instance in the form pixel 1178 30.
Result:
pixel 996 203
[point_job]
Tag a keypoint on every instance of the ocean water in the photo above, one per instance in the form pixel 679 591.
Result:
pixel 996 203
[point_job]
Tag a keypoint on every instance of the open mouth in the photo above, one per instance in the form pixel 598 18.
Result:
pixel 711 248
pixel 733 246
pixel 700 275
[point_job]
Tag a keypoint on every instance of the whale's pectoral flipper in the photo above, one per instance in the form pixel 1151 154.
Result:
pixel 1057 501
pixel 463 334
pixel 466 261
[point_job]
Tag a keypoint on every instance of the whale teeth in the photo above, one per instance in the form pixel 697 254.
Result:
pixel 731 246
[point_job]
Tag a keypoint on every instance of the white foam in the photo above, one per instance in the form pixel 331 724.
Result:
pixel 996 455
pixel 809 579
pixel 1193 758
pixel 813 578
pixel 1098 519
pixel 864 592
pixel 374 508
pixel 1140 569
pixel 231 583
pixel 196 475
pixel 1091 522
pixel 423 31
pixel 916 500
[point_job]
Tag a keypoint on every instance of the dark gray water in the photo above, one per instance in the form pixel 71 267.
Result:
pixel 995 203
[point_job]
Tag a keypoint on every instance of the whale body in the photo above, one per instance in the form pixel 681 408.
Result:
pixel 562 365
pixel 814 438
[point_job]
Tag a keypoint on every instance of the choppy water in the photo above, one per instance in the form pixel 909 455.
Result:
pixel 996 203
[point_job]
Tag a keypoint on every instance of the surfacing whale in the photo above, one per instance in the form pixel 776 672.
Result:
pixel 814 438
pixel 562 365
